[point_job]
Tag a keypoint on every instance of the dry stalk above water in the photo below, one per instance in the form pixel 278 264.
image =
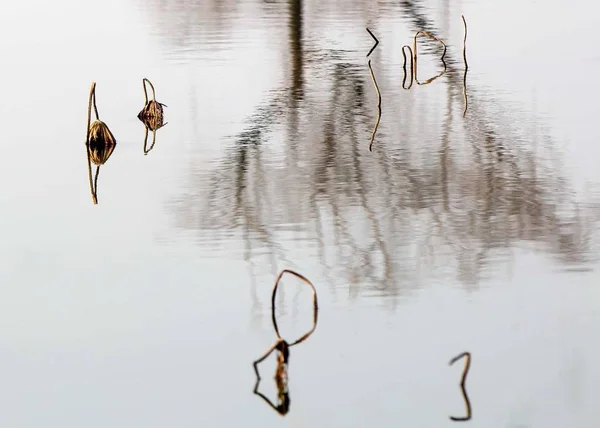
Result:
pixel 378 107
pixel 151 115
pixel 100 143
pixel 462 385
pixel 282 348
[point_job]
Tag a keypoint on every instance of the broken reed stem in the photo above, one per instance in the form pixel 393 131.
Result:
pixel 92 98
pixel 315 305
pixel 412 69
pixel 378 107
pixel 466 65
pixel 462 384
pixel 144 80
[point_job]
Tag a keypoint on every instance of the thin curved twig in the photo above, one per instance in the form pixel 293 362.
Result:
pixel 378 107
pixel 144 80
pixel 462 385
pixel 92 100
pixel 431 36
pixel 315 305
pixel 466 65
pixel 412 67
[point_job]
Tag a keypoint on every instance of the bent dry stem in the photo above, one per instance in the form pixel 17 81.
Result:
pixel 376 42
pixel 282 348
pixel 463 381
pixel 466 65
pixel 432 37
pixel 412 68
pixel 378 107
pixel 315 304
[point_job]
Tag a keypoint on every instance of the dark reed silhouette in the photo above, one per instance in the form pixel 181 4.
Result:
pixel 151 115
pixel 282 347
pixel 376 42
pixel 466 66
pixel 463 380
pixel 100 143
pixel 412 67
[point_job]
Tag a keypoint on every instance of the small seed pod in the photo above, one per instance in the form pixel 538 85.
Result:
pixel 152 113
pixel 101 143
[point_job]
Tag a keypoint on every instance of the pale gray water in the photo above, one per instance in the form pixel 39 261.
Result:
pixel 455 234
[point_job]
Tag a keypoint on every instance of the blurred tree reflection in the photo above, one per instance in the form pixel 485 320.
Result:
pixel 451 196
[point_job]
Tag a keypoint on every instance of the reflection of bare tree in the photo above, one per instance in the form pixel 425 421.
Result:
pixel 384 219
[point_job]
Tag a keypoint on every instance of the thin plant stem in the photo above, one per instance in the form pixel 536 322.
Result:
pixel 463 385
pixel 378 107
pixel 466 66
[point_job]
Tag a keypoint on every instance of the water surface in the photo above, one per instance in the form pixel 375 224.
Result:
pixel 473 231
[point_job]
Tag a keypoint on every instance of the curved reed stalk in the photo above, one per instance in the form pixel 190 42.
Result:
pixel 412 67
pixel 152 113
pixel 466 65
pixel 315 305
pixel 431 36
pixel 87 139
pixel 462 385
pixel 100 143
pixel 378 107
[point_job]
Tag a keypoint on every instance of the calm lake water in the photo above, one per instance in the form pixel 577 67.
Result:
pixel 460 231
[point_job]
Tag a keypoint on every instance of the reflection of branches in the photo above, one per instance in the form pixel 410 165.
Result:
pixel 282 347
pixel 476 195
pixel 378 106
pixel 462 384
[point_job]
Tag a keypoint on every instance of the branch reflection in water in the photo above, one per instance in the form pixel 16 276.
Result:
pixel 100 143
pixel 451 197
pixel 463 381
pixel 151 115
pixel 283 350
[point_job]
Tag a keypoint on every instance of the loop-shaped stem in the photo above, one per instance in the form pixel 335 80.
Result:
pixel 315 306
pixel 432 37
